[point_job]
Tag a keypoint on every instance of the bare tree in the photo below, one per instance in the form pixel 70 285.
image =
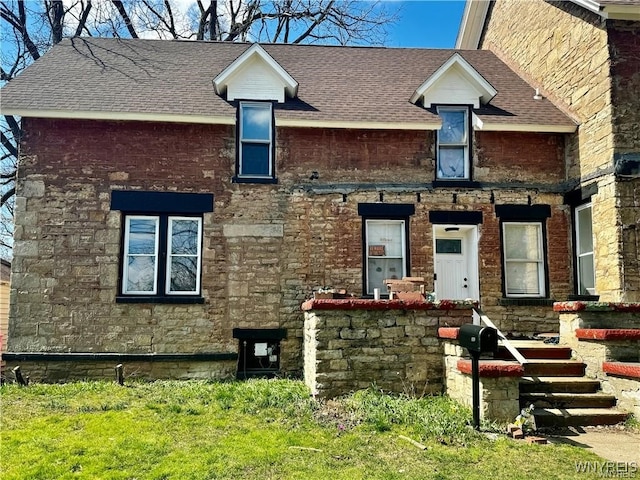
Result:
pixel 30 28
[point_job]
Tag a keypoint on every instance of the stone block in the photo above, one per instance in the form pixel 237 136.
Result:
pixel 414 331
pixel 392 332
pixel 353 333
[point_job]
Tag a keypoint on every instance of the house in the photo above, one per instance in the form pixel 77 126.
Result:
pixel 178 201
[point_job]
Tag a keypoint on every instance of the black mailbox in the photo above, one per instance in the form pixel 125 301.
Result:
pixel 477 338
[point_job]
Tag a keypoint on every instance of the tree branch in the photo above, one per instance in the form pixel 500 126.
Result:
pixel 127 21
pixel 82 22
pixel 8 144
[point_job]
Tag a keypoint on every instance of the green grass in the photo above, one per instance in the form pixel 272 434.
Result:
pixel 262 429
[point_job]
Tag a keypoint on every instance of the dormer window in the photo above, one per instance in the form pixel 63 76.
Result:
pixel 453 144
pixel 255 142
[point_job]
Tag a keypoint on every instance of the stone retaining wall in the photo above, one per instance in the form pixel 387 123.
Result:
pixel 499 396
pixel 593 353
pixel 354 343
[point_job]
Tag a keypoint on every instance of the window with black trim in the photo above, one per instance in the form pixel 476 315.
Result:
pixel 385 251
pixel 255 160
pixel 161 259
pixel 525 270
pixel 523 253
pixel 385 238
pixel 162 255
pixel 452 160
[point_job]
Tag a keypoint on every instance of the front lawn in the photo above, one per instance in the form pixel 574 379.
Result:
pixel 262 429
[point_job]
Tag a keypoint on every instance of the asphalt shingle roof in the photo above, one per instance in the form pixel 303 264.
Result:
pixel 336 84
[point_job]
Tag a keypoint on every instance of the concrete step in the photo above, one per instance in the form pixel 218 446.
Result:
pixel 567 400
pixel 535 349
pixel 577 417
pixel 554 368
pixel 558 384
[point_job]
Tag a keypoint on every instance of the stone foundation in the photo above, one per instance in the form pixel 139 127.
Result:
pixel 52 371
pixel 354 343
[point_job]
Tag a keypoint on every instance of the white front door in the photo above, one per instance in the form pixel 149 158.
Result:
pixel 456 262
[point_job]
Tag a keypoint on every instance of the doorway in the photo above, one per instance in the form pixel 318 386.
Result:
pixel 456 262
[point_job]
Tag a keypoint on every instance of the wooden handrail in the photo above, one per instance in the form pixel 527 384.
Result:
pixel 505 341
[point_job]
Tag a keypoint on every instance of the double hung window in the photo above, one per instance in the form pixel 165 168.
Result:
pixel 255 141
pixel 523 254
pixel 453 144
pixel 162 255
pixel 584 251
pixel 385 252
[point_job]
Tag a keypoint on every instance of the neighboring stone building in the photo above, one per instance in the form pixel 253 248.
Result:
pixel 178 201
pixel 585 57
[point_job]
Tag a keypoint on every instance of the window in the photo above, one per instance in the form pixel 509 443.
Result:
pixel 453 144
pixel 385 252
pixel 449 245
pixel 524 268
pixel 584 251
pixel 255 142
pixel 162 255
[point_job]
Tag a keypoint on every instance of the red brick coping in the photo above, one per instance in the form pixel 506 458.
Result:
pixel 624 369
pixel 493 368
pixel 578 306
pixel 450 333
pixel 368 304
pixel 608 333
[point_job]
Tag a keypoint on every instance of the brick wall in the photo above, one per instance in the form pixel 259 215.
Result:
pixel 266 247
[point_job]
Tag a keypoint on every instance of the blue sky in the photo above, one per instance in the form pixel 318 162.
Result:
pixel 430 24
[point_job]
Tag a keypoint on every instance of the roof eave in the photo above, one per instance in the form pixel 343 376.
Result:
pixel 485 125
pixel 621 12
pixel 435 124
pixel 472 24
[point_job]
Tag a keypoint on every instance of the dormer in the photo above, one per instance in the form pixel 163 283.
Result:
pixel 255 75
pixel 455 82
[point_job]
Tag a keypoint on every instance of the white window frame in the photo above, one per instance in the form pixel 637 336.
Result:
pixel 242 140
pixel 540 261
pixel 198 256
pixel 403 240
pixel 443 146
pixel 579 254
pixel 127 255
pixel 162 248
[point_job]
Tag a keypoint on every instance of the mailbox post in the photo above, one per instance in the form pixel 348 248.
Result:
pixel 477 340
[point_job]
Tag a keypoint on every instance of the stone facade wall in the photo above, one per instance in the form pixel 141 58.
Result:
pixel 590 67
pixel 499 396
pixel 266 247
pixel 352 344
pixel 563 49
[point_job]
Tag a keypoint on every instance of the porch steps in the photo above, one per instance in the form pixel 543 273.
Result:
pixel 558 385
pixel 561 394
pixel 568 400
pixel 534 349
pixel 554 368
pixel 577 417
